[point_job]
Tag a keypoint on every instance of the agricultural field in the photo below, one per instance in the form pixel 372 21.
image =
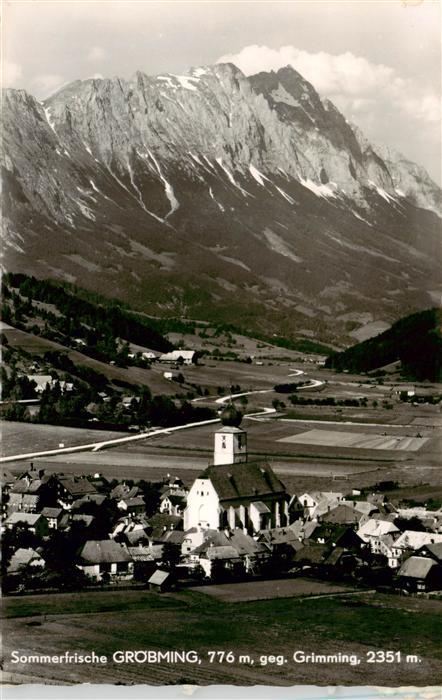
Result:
pixel 275 588
pixel 340 438
pixel 141 620
pixel 26 437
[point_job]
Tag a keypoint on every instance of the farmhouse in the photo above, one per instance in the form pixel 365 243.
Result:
pixel 411 540
pixel 234 493
pixel 35 523
pixel 186 357
pixel 173 503
pixel 23 558
pixel 419 574
pixel 53 516
pixel 98 557
pixel 373 530
pixel 72 488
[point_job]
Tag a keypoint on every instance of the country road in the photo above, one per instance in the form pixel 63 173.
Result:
pixel 96 446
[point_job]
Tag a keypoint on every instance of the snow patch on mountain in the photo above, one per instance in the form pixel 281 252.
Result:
pixel 318 190
pixel 279 245
pixel 231 178
pixel 170 194
pixel 216 201
pixel 285 195
pixel 259 177
pixel 47 112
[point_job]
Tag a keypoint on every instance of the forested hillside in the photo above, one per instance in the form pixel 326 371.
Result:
pixel 415 340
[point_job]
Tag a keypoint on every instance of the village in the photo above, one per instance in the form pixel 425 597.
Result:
pixel 236 522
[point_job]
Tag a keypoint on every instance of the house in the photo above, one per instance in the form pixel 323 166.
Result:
pixel 411 540
pixel 73 488
pixel 420 574
pixel 159 523
pixel 161 581
pixel 343 514
pixel 234 492
pixel 97 499
pixel 373 530
pixel 185 357
pixel 148 355
pixel 132 506
pixel 83 518
pixel 319 500
pixel 42 381
pixel 53 516
pixel 31 491
pixel 173 503
pixel 238 550
pixel 388 548
pixel 124 491
pixel 136 526
pixel 311 555
pixel 24 558
pixel 99 557
pixel 35 522
pixel 226 555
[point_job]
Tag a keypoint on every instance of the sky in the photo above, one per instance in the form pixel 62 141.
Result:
pixel 379 61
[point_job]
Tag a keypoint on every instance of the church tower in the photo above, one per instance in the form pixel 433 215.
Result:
pixel 230 439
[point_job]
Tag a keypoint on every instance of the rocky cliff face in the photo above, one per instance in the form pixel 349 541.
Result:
pixel 248 200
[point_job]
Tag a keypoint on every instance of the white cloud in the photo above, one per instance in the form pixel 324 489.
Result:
pixel 11 74
pixel 354 83
pixel 400 112
pixel 97 53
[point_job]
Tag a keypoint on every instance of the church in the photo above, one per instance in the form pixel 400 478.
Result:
pixel 233 492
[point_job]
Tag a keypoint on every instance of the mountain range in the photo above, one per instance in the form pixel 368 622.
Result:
pixel 212 195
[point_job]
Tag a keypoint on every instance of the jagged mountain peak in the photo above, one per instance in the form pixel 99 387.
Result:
pixel 266 179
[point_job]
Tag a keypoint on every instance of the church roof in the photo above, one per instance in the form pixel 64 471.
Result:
pixel 243 479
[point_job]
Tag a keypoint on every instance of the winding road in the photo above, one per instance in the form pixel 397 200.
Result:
pixel 96 446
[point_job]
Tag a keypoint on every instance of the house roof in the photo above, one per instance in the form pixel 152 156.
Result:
pixel 416 567
pixel 343 513
pixel 77 486
pixel 104 551
pixel 28 518
pixel 132 502
pixel 313 553
pixel 243 480
pixel 279 535
pixel 376 528
pixel 411 539
pixel 26 486
pixel 136 536
pixel 335 555
pixel 173 536
pixel 83 518
pixel 175 355
pixel 435 550
pixel 141 553
pixel 159 577
pixel 222 552
pixel 242 543
pixel 23 557
pixel 51 512
pixel 124 491
pixel 97 498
